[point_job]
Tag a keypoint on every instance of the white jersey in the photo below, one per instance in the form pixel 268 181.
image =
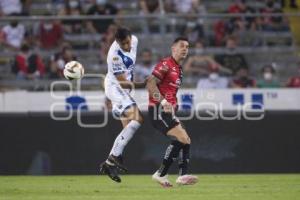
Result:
pixel 120 62
pixel 14 35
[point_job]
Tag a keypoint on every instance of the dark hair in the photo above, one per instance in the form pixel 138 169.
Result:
pixel 122 33
pixel 181 38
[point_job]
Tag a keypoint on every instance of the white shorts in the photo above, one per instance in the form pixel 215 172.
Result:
pixel 120 98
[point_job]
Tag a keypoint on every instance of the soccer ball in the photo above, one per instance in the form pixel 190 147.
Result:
pixel 73 70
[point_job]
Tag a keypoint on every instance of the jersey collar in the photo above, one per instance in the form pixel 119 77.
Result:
pixel 175 61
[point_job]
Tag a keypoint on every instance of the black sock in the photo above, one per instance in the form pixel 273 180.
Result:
pixel 171 154
pixel 184 158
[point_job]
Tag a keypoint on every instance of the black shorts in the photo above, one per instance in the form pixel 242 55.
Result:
pixel 161 120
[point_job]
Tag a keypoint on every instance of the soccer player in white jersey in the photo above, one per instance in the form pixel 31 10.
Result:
pixel 118 83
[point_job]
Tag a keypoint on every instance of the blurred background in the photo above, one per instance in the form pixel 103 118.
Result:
pixel 241 52
pixel 259 38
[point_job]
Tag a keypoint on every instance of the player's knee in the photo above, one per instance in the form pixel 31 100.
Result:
pixel 184 140
pixel 189 140
pixel 135 114
pixel 140 119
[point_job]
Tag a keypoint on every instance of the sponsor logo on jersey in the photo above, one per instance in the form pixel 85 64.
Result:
pixel 174 73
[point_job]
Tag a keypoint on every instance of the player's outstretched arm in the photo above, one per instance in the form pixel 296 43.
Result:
pixel 128 84
pixel 140 84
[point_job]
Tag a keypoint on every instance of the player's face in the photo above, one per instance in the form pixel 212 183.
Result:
pixel 180 49
pixel 125 44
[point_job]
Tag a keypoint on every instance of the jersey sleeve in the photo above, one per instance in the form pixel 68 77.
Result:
pixel 160 70
pixel 134 42
pixel 117 65
pixel 134 45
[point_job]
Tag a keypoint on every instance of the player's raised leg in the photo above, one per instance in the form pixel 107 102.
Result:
pixel 131 120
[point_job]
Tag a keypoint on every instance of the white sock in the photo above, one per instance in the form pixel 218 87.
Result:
pixel 124 137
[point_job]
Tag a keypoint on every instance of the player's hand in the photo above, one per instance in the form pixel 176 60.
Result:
pixel 167 106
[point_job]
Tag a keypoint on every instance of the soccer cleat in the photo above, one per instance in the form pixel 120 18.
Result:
pixel 111 171
pixel 187 180
pixel 118 161
pixel 163 181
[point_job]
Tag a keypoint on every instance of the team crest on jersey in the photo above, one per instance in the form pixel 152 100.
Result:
pixel 163 68
pixel 115 58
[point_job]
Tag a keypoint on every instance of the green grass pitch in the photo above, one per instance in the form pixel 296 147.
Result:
pixel 135 187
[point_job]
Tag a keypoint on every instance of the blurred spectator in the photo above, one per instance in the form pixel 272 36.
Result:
pixel 268 80
pixel 231 59
pixel 213 81
pixel 194 31
pixel 144 68
pixel 58 61
pixel 72 8
pixel 273 23
pixel 242 80
pixel 28 65
pixel 14 7
pixel 49 34
pixel 238 6
pixel 106 40
pixel 249 33
pixel 101 7
pixel 292 4
pixel 26 4
pixel 185 6
pixel 219 32
pixel 234 25
pixel 199 63
pixel 148 7
pixel 13 35
pixel 294 81
pixel 238 26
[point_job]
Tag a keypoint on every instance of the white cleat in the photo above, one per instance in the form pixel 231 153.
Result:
pixel 163 181
pixel 187 180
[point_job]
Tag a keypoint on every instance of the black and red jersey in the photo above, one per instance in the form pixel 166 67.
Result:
pixel 169 72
